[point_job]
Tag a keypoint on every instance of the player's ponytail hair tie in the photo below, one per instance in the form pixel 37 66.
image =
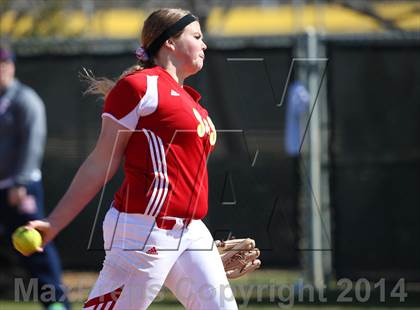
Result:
pixel 141 54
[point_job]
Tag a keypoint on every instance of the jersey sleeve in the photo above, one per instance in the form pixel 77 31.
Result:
pixel 122 103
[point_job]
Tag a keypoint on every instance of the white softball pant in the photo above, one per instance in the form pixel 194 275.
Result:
pixel 140 258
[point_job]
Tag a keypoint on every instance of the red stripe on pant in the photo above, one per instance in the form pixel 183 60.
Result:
pixel 111 297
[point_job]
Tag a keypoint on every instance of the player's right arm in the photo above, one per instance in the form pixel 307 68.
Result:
pixel 119 120
pixel 100 166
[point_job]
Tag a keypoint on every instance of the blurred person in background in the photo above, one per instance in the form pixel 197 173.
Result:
pixel 22 142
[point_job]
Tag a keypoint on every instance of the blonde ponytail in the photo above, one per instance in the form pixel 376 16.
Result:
pixel 101 86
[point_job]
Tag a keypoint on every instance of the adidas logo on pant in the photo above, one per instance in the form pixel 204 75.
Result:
pixel 152 251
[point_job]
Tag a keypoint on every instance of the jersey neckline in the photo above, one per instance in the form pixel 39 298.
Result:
pixel 195 95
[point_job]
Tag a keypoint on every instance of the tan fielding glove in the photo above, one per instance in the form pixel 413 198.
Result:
pixel 239 256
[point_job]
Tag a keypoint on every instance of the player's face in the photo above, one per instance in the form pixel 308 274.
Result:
pixel 189 49
pixel 7 73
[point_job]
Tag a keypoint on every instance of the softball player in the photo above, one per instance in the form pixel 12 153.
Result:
pixel 153 231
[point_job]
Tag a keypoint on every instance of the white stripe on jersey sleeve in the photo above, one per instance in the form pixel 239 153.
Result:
pixel 160 173
pixel 146 106
pixel 161 179
pixel 165 177
pixel 156 173
pixel 149 102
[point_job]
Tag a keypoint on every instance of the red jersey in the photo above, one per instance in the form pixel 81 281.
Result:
pixel 166 157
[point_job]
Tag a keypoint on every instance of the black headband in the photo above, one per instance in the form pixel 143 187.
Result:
pixel 175 28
